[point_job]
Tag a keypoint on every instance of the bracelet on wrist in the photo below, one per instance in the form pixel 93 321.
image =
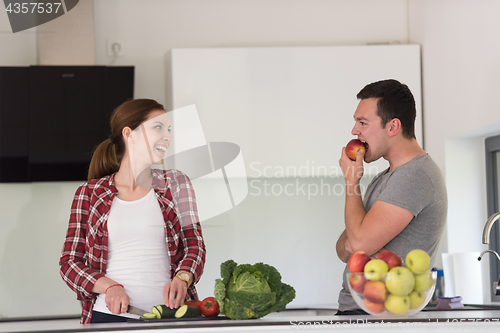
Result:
pixel 113 285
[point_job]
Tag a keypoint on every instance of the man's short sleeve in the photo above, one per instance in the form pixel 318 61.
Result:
pixel 408 189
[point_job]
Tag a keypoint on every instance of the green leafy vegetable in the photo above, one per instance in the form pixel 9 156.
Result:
pixel 251 291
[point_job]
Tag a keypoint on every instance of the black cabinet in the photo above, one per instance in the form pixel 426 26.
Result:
pixel 53 117
pixel 14 123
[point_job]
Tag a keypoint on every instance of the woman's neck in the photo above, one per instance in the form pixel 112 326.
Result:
pixel 131 177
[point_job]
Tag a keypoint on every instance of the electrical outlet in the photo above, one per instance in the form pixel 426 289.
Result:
pixel 115 48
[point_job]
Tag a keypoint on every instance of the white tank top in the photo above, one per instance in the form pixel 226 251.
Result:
pixel 137 252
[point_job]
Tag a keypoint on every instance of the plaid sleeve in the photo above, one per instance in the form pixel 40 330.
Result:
pixel 193 259
pixel 73 264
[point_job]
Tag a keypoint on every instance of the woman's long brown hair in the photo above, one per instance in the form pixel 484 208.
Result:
pixel 108 155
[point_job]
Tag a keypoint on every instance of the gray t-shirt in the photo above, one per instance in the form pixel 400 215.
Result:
pixel 419 187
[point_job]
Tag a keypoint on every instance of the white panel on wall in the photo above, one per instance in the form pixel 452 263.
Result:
pixel 290 110
pixel 300 101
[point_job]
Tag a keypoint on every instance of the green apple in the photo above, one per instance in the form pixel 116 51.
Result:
pixel 400 281
pixel 397 304
pixel 417 298
pixel 418 261
pixel 375 269
pixel 424 281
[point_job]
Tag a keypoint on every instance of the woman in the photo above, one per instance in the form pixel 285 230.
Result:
pixel 134 236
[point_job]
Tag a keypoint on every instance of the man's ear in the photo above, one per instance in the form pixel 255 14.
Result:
pixel 393 127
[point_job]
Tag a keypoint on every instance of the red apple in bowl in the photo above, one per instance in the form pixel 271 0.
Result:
pixel 375 291
pixel 353 147
pixel 357 261
pixel 374 307
pixel 391 259
pixel 357 282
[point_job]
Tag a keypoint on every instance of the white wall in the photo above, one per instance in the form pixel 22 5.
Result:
pixel 460 67
pixel 151 28
pixel 17 49
pixel 461 81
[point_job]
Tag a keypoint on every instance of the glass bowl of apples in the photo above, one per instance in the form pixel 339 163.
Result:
pixel 383 287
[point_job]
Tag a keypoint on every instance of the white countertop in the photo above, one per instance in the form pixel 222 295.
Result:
pixel 304 320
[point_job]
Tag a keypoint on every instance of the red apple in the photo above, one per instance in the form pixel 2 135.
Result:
pixel 357 261
pixel 357 281
pixel 353 147
pixel 374 307
pixel 391 258
pixel 375 291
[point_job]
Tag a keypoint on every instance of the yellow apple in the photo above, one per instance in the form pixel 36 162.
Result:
pixel 375 269
pixel 417 298
pixel 424 281
pixel 418 261
pixel 400 281
pixel 397 304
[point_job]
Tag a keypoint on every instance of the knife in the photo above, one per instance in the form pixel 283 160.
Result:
pixel 137 311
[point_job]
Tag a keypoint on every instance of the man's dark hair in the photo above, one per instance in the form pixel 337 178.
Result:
pixel 395 100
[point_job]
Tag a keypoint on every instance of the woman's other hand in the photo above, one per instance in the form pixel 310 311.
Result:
pixel 174 293
pixel 117 299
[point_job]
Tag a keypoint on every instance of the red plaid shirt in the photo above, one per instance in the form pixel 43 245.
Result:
pixel 84 254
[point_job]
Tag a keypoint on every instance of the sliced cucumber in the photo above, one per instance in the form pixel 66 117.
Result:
pixel 187 311
pixel 157 310
pixel 163 311
pixel 150 316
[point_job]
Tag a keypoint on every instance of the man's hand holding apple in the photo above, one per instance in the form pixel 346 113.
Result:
pixel 353 171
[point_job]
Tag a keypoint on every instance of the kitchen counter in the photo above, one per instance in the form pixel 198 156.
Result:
pixel 474 317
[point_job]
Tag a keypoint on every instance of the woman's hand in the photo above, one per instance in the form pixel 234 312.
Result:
pixel 117 300
pixel 174 293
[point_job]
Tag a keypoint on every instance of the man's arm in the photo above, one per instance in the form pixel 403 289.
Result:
pixel 368 231
pixel 380 225
pixel 343 247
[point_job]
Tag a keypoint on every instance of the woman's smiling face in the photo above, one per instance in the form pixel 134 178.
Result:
pixel 156 130
pixel 151 139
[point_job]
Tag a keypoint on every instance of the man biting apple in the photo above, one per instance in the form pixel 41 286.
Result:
pixel 405 206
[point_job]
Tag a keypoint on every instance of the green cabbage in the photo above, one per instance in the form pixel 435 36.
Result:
pixel 251 291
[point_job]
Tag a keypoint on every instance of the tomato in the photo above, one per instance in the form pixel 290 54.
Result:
pixel 196 304
pixel 209 307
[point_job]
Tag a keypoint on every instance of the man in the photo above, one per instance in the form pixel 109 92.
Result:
pixel 405 206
